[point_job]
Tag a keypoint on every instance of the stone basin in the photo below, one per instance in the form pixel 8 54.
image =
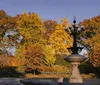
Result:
pixel 75 58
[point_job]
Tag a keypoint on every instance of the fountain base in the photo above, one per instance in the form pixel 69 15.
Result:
pixel 75 77
pixel 74 80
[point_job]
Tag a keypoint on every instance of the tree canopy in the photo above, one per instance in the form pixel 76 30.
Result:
pixel 92 36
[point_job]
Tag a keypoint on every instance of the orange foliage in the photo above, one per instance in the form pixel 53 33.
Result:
pixel 95 50
pixel 3 60
pixel 13 62
pixel 92 36
pixel 33 56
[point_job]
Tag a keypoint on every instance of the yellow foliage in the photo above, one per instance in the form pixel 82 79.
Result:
pixel 49 58
pixel 60 40
pixel 30 26
pixel 20 55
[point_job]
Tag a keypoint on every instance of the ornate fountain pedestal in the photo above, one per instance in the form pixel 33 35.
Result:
pixel 75 77
pixel 75 60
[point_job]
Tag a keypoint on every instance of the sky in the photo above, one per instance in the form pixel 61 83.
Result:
pixel 53 9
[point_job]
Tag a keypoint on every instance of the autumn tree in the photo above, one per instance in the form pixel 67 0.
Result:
pixel 91 25
pixel 31 28
pixel 94 42
pixel 91 37
pixel 3 22
pixel 6 23
pixel 30 51
pixel 7 29
pixel 31 57
pixel 59 39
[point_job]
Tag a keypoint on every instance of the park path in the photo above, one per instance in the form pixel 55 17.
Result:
pixel 16 81
pixel 10 81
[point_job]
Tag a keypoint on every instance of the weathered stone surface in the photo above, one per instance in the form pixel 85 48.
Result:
pixel 75 58
pixel 75 77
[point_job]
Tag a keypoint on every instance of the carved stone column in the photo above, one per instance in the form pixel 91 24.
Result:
pixel 75 77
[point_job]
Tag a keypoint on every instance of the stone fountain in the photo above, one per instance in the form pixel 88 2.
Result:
pixel 75 59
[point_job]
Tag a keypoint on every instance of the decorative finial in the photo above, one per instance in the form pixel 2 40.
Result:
pixel 74 21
